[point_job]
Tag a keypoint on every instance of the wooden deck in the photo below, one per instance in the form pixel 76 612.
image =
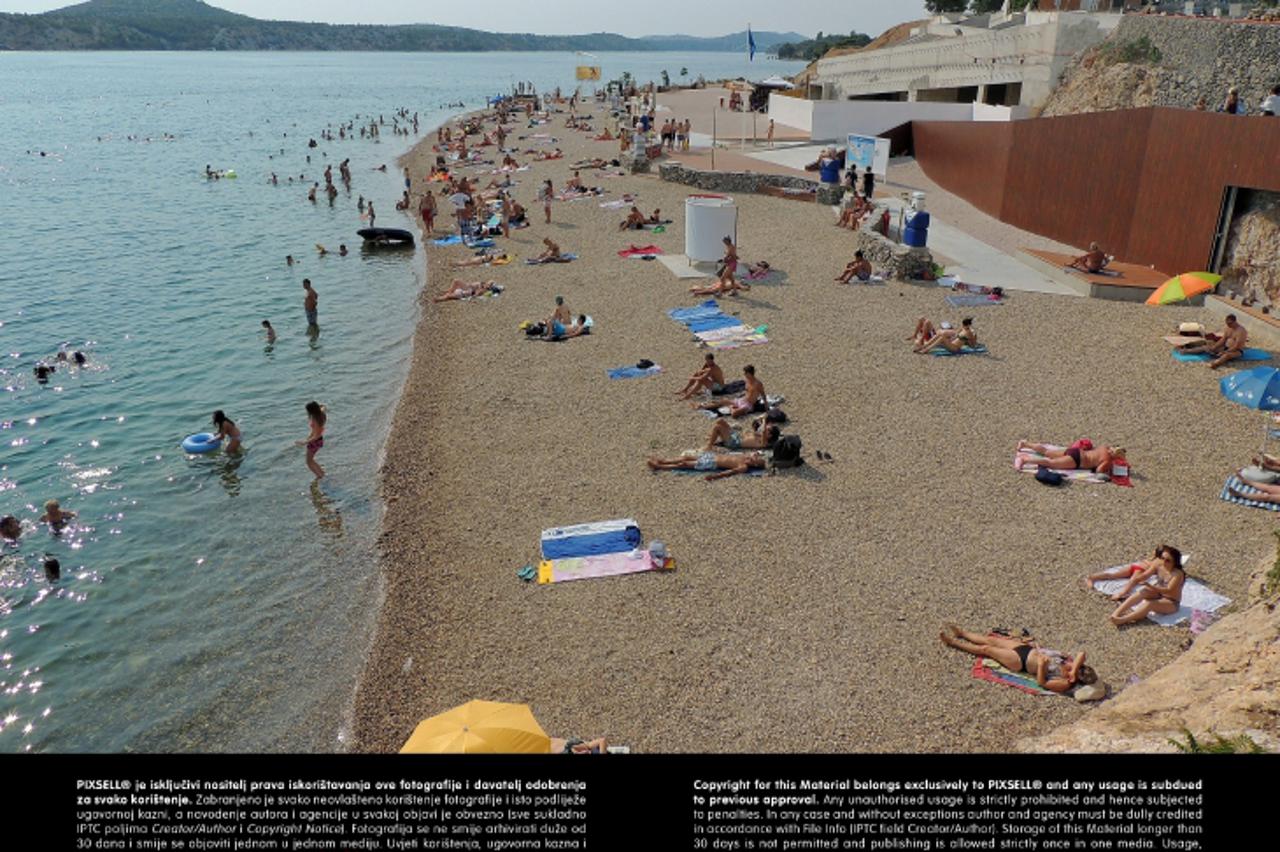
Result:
pixel 1130 283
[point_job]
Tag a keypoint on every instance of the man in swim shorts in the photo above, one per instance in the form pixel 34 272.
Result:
pixel 1229 345
pixel 310 303
pixel 725 464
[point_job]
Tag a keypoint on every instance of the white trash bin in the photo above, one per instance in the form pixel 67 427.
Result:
pixel 707 221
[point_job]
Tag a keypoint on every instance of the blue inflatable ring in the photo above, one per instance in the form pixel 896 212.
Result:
pixel 201 442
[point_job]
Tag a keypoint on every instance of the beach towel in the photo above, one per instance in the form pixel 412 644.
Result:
pixel 732 338
pixel 639 251
pixel 1182 339
pixel 633 372
pixel 616 204
pixel 588 567
pixel 591 539
pixel 483 243
pixel 972 300
pixel 1029 463
pixel 964 350
pixel 564 258
pixel 1249 354
pixel 451 240
pixel 713 323
pixel 1235 482
pixel 1196 597
pixel 985 668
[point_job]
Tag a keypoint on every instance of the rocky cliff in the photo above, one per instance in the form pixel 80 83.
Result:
pixel 1152 60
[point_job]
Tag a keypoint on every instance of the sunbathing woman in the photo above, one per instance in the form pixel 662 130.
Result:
pixel 727 464
pixel 724 434
pixel 1052 670
pixel 483 260
pixel 462 290
pixel 655 218
pixel 1270 492
pixel 1079 456
pixel 950 339
pixel 1138 598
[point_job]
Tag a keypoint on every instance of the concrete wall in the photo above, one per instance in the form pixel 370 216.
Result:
pixel 1033 55
pixel 828 120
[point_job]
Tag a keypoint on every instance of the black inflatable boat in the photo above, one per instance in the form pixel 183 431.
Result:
pixel 386 236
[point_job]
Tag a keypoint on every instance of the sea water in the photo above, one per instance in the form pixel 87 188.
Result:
pixel 216 602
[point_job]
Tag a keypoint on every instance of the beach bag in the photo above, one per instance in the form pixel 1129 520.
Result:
pixel 787 452
pixel 536 330
pixel 776 415
pixel 1049 477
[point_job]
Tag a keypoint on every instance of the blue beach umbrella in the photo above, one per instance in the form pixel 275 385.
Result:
pixel 1258 389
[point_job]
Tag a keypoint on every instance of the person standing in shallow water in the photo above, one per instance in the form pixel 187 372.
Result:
pixel 316 416
pixel 310 304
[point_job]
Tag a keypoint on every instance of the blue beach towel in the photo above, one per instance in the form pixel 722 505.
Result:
pixel 972 300
pixel 1234 482
pixel 1249 354
pixel 451 240
pixel 964 350
pixel 591 539
pixel 485 243
pixel 633 372
pixel 712 323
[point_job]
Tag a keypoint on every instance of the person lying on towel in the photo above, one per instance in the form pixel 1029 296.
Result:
pixel 726 464
pixel 1094 261
pixel 463 290
pixel 1270 492
pixel 1079 456
pixel 1229 346
pixel 950 339
pixel 1139 597
pixel 725 434
pixel 1053 670
pixel 753 399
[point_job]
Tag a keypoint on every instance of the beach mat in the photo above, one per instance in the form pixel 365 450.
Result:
pixel 640 251
pixel 590 567
pixel 1196 596
pixel 1249 354
pixel 592 539
pixel 964 350
pixel 1234 481
pixel 972 300
pixel 564 258
pixel 985 668
pixel 451 240
pixel 633 372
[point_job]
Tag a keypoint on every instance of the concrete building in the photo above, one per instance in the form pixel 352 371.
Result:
pixel 1001 59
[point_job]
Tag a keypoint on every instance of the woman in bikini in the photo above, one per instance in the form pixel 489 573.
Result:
pixel 463 290
pixel 227 431
pixel 1139 598
pixel 317 416
pixel 1053 670
pixel 1079 456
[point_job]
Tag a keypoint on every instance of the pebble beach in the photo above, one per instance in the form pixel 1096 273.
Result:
pixel 804 611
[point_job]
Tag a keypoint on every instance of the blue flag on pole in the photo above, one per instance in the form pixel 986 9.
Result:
pixel 751 45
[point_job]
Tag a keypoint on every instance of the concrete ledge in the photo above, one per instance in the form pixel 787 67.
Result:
pixel 1263 328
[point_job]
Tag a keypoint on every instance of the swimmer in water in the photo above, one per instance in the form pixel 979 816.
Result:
pixel 271 332
pixel 52 569
pixel 342 250
pixel 42 372
pixel 227 430
pixel 288 259
pixel 80 358
pixel 10 528
pixel 55 517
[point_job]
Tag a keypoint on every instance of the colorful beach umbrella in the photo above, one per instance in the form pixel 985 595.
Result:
pixel 1258 388
pixel 1183 287
pixel 480 727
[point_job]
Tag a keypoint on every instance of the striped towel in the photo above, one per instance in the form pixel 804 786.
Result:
pixel 1234 482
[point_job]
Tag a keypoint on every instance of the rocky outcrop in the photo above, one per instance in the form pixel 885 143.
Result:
pixel 1193 58
pixel 1227 683
pixel 1251 263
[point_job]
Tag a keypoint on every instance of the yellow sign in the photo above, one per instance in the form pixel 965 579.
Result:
pixel 588 72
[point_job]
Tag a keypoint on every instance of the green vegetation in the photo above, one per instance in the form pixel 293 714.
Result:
pixel 1241 744
pixel 194 25
pixel 816 48
pixel 1139 50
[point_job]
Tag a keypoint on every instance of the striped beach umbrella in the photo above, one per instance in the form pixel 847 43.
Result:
pixel 480 727
pixel 1183 287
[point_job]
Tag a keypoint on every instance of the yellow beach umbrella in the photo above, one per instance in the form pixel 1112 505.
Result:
pixel 480 727
pixel 1183 287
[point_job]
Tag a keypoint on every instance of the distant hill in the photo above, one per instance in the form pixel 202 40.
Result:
pixel 194 25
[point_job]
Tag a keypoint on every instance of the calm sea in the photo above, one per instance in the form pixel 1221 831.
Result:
pixel 208 603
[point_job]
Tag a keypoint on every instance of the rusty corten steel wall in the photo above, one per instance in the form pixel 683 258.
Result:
pixel 1145 183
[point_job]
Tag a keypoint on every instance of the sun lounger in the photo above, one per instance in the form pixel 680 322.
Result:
pixel 1196 596
pixel 589 567
pixel 989 670
pixel 964 350
pixel 1234 482
pixel 633 372
pixel 1249 354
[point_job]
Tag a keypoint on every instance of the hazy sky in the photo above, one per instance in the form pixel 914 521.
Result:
pixel 629 17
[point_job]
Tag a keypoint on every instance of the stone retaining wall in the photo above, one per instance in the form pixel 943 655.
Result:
pixel 730 181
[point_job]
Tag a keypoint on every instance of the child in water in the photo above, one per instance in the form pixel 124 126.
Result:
pixel 316 415
pixel 55 516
